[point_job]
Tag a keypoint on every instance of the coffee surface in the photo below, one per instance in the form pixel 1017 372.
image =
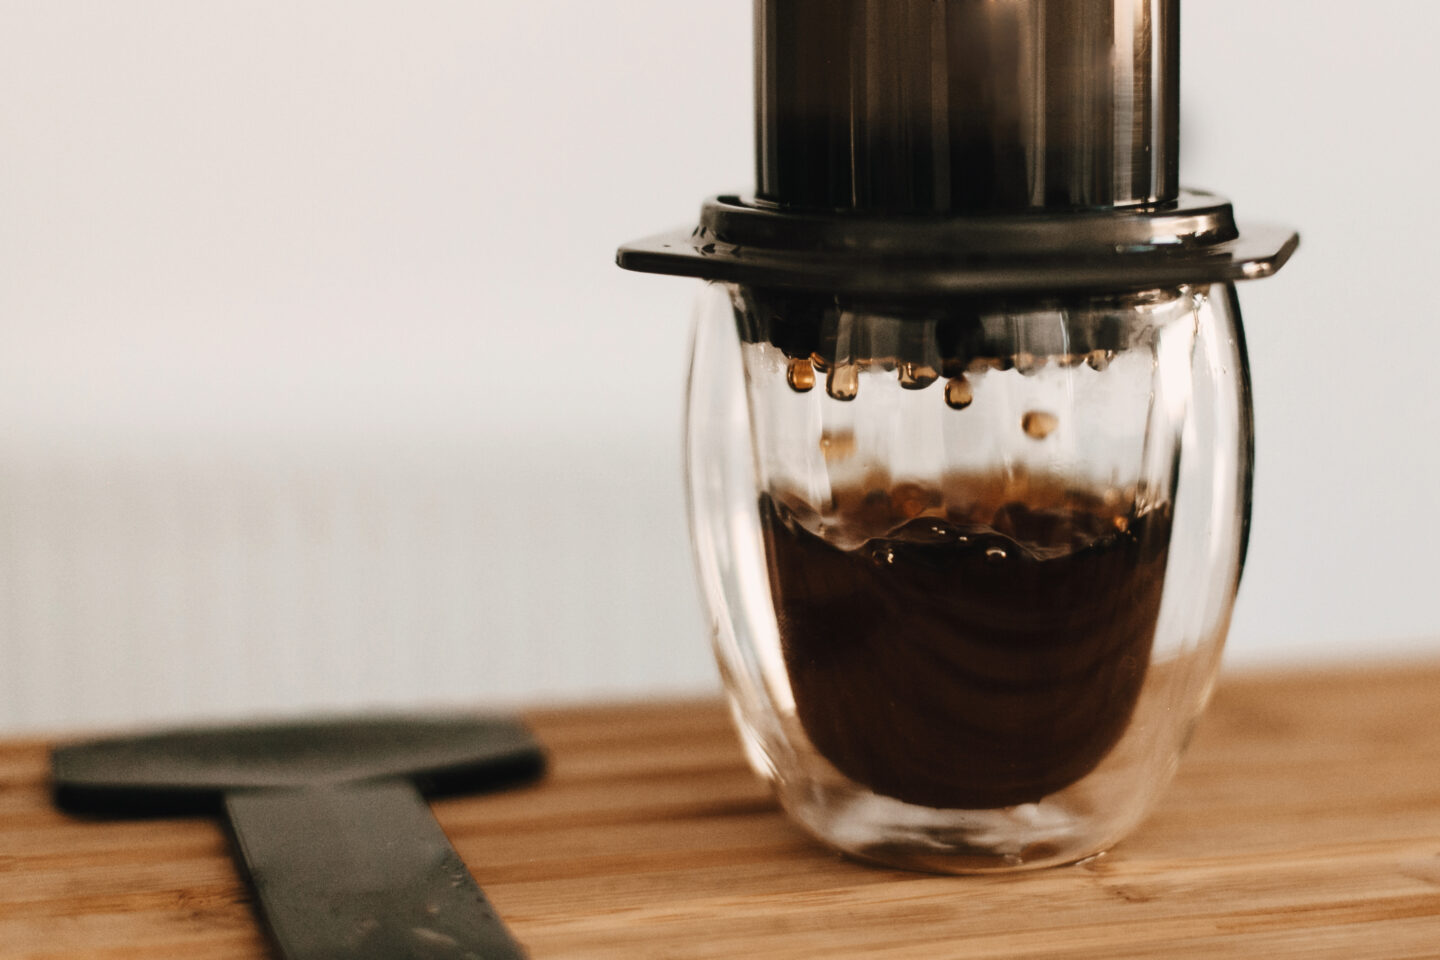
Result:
pixel 975 644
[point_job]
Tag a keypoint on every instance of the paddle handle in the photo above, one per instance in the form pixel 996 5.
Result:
pixel 362 872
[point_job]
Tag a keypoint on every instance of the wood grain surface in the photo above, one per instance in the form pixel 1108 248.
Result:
pixel 1305 822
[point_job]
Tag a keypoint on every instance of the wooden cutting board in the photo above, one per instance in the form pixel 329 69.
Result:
pixel 1305 822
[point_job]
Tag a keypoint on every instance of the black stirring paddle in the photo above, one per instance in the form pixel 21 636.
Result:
pixel 329 821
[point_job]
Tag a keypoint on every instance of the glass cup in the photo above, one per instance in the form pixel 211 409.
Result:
pixel 969 561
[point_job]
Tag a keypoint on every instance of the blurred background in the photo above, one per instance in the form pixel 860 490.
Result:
pixel 319 389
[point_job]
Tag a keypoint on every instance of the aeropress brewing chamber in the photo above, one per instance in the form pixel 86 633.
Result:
pixel 969 436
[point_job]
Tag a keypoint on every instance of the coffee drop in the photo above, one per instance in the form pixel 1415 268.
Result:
pixel 982 364
pixel 959 394
pixel 819 362
pixel 1028 363
pixel 843 381
pixel 1099 359
pixel 800 375
pixel 1038 424
pixel 917 376
pixel 836 446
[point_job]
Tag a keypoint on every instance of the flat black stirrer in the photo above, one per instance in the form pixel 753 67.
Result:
pixel 330 822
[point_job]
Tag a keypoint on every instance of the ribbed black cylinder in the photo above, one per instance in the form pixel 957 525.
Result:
pixel 966 106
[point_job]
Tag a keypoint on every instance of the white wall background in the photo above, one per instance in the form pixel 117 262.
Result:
pixel 318 387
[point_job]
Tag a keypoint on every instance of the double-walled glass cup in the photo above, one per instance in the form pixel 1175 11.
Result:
pixel 969 561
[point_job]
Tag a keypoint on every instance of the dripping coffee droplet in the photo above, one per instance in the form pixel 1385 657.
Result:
pixel 843 381
pixel 800 374
pixel 1038 424
pixel 959 394
pixel 917 376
